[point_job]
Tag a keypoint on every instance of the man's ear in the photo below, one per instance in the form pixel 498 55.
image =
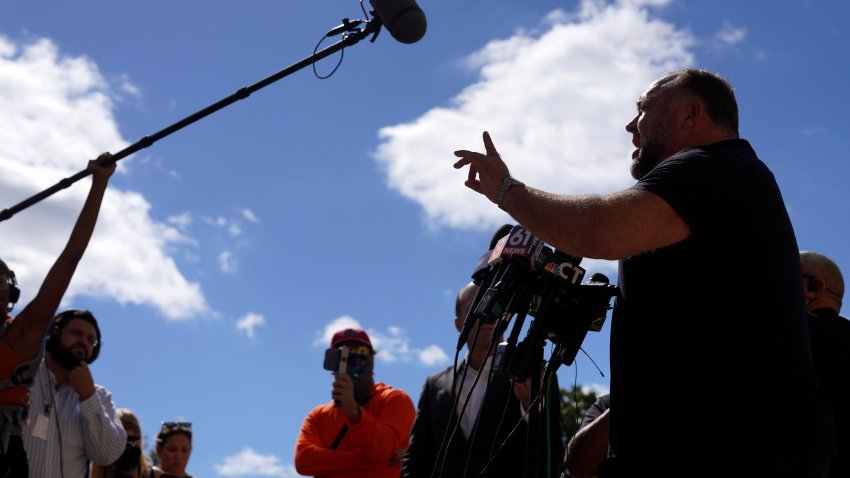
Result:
pixel 692 112
pixel 816 285
pixel 458 324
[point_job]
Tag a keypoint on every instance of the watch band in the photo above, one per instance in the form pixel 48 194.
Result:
pixel 503 189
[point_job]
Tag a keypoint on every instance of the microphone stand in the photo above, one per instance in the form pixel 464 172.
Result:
pixel 372 27
pixel 535 428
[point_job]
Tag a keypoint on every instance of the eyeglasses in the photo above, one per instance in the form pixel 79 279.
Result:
pixel 359 349
pixel 168 427
pixel 810 277
pixel 133 440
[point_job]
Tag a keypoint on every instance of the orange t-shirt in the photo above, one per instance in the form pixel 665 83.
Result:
pixel 368 448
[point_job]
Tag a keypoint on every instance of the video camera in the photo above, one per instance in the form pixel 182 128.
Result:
pixel 522 276
pixel 344 360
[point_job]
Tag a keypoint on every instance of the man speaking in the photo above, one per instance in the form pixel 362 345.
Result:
pixel 711 369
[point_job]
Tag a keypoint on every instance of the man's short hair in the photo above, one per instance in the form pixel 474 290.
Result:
pixel 824 268
pixel 716 93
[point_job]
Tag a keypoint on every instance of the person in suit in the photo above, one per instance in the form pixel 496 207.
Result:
pixel 829 333
pixel 486 428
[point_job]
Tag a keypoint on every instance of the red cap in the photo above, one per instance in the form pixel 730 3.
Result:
pixel 350 335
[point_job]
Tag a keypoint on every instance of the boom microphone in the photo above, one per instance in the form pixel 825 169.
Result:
pixel 512 258
pixel 403 18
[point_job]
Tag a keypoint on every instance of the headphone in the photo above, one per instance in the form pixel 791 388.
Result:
pixel 61 320
pixel 14 291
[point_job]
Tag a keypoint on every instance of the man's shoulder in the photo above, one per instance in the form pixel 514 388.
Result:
pixel 321 410
pixel 441 375
pixel 708 155
pixel 438 380
pixel 101 390
pixel 387 392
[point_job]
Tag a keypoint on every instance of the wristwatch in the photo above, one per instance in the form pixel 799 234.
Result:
pixel 503 189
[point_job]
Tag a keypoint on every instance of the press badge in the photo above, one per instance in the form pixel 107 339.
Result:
pixel 39 430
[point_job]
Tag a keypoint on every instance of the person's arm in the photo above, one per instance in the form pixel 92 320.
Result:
pixel 104 437
pixel 604 227
pixel 26 333
pixel 419 459
pixel 312 457
pixel 382 434
pixel 588 449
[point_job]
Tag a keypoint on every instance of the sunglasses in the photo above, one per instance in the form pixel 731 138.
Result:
pixel 175 426
pixel 359 349
pixel 133 440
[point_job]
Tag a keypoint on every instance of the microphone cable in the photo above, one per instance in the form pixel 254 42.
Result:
pixel 495 433
pixel 546 412
pixel 490 375
pixel 505 441
pixel 444 447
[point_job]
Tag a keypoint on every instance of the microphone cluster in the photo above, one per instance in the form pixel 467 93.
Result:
pixel 522 276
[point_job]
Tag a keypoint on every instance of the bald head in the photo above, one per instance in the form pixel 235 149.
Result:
pixel 823 282
pixel 715 92
pixel 464 300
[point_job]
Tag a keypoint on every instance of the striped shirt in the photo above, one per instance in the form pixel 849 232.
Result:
pixel 76 431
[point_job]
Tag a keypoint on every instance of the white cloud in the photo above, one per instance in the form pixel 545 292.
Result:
pixel 392 345
pixel 226 262
pixel 730 35
pixel 597 388
pixel 250 463
pixel 181 221
pixel 555 103
pixel 57 114
pixel 232 225
pixel 342 322
pixel 433 355
pixel 250 216
pixel 815 131
pixel 249 323
pixel 128 87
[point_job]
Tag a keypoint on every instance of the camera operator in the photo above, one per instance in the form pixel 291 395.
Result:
pixel 495 407
pixel 364 431
pixel 823 287
pixel 703 202
pixel 132 463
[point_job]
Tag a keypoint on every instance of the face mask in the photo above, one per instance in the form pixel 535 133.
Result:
pixel 130 459
pixel 363 389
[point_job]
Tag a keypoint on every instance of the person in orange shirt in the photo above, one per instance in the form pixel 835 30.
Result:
pixel 364 431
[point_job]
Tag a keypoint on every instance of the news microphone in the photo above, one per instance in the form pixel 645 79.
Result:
pixel 563 266
pixel 503 231
pixel 482 277
pixel 514 256
pixel 403 18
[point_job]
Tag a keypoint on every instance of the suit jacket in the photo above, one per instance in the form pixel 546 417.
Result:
pixel 830 338
pixel 435 415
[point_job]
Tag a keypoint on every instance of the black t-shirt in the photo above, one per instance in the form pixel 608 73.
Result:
pixel 710 355
pixel 602 403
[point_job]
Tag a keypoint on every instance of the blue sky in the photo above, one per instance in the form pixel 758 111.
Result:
pixel 226 253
